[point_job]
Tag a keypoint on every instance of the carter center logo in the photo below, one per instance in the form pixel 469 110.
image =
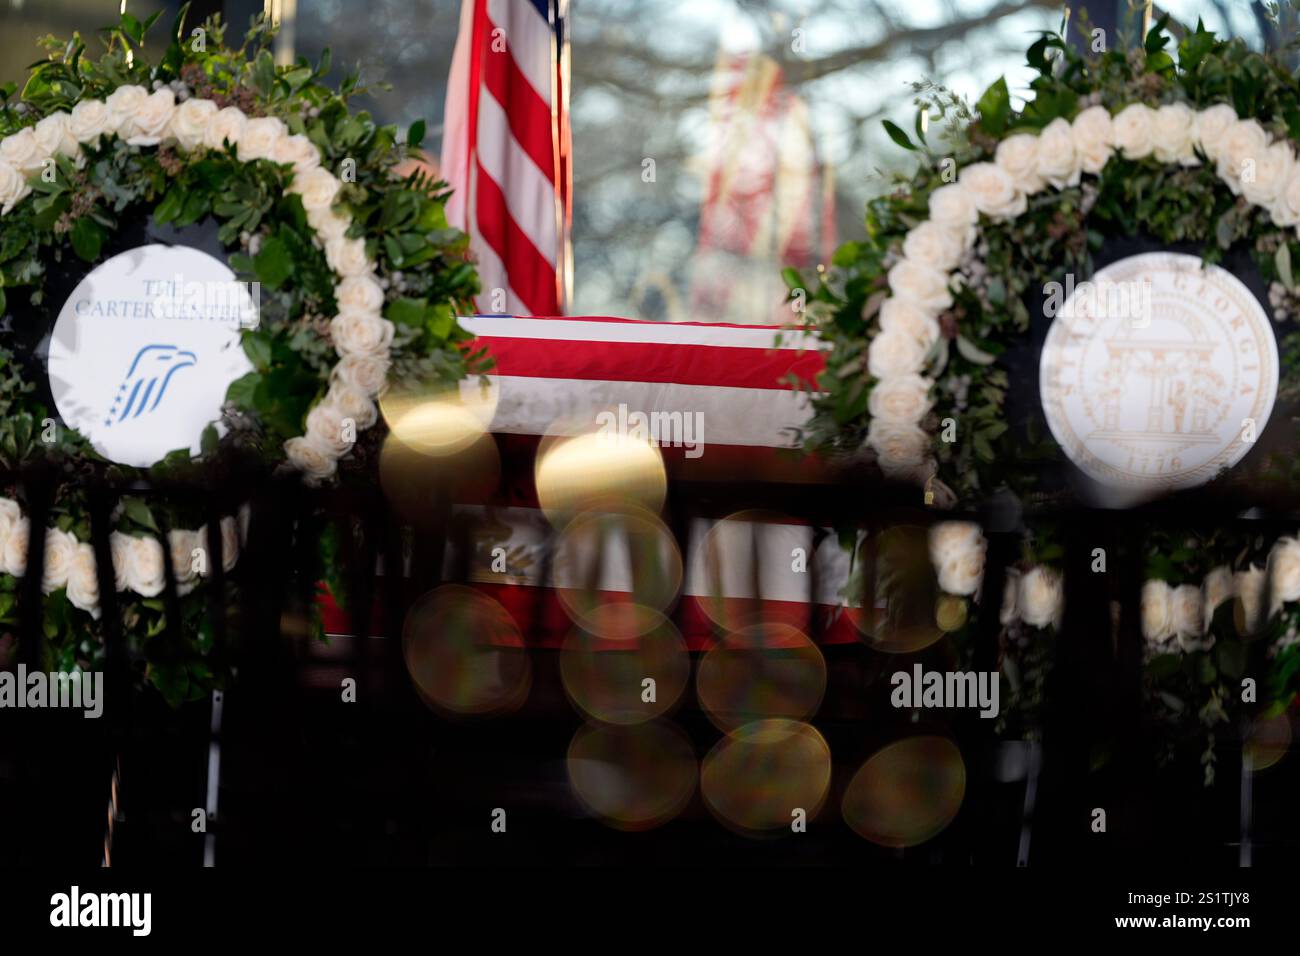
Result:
pixel 1171 400
pixel 145 348
pixel 151 370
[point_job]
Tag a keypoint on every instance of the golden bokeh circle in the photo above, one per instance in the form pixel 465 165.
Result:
pixel 632 777
pixel 1268 741
pixel 604 668
pixel 899 560
pixel 435 418
pixel 598 469
pixel 759 775
pixel 629 539
pixel 419 486
pixel 726 564
pixel 762 671
pixel 464 653
pixel 950 612
pixel 907 792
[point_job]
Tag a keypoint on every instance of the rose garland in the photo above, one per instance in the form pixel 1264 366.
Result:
pixel 138 566
pixel 360 334
pixel 917 316
pixel 1193 144
pixel 1025 164
pixel 361 280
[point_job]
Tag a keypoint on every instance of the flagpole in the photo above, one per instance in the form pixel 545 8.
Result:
pixel 564 155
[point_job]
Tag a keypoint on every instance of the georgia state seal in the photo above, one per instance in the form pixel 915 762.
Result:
pixel 1158 372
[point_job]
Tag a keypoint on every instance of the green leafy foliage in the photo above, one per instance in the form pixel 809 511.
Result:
pixel 423 266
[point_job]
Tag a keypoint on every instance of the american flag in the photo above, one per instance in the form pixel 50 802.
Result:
pixel 506 153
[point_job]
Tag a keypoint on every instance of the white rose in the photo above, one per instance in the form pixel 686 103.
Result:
pixel 59 546
pixel 54 134
pixel 1134 131
pixel 359 294
pixel 229 532
pixel 933 245
pixel 957 551
pixel 119 546
pixel 1284 572
pixel 900 449
pixel 1187 610
pixel 317 187
pixel 365 373
pixel 1173 134
pixel 1093 133
pixel 1041 597
pixel 326 425
pixel 14 188
pixel 1017 156
pixel 146 574
pixel 16 547
pixel 1241 149
pixel 1209 128
pixel 10 514
pixel 149 125
pixel 1157 611
pixel 182 544
pixel 901 399
pixel 919 283
pixel 297 151
pixel 359 333
pixel 225 126
pixel 962 575
pixel 894 353
pixel 189 124
pixel 229 543
pixel 314 459
pixel 347 257
pixel 992 191
pixel 908 317
pixel 1010 598
pixel 353 403
pixel 123 103
pixel 948 539
pixel 22 150
pixel 260 138
pixel 90 120
pixel 951 207
pixel 1271 175
pixel 83 581
pixel 1058 163
pixel 1217 587
pixel 327 224
pixel 1285 210
pixel 1249 588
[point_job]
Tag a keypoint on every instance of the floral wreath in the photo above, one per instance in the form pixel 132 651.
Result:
pixel 1186 145
pixel 363 273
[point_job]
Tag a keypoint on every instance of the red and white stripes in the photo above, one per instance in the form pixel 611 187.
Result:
pixel 505 151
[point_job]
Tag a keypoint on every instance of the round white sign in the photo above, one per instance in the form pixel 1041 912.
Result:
pixel 1159 372
pixel 145 348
